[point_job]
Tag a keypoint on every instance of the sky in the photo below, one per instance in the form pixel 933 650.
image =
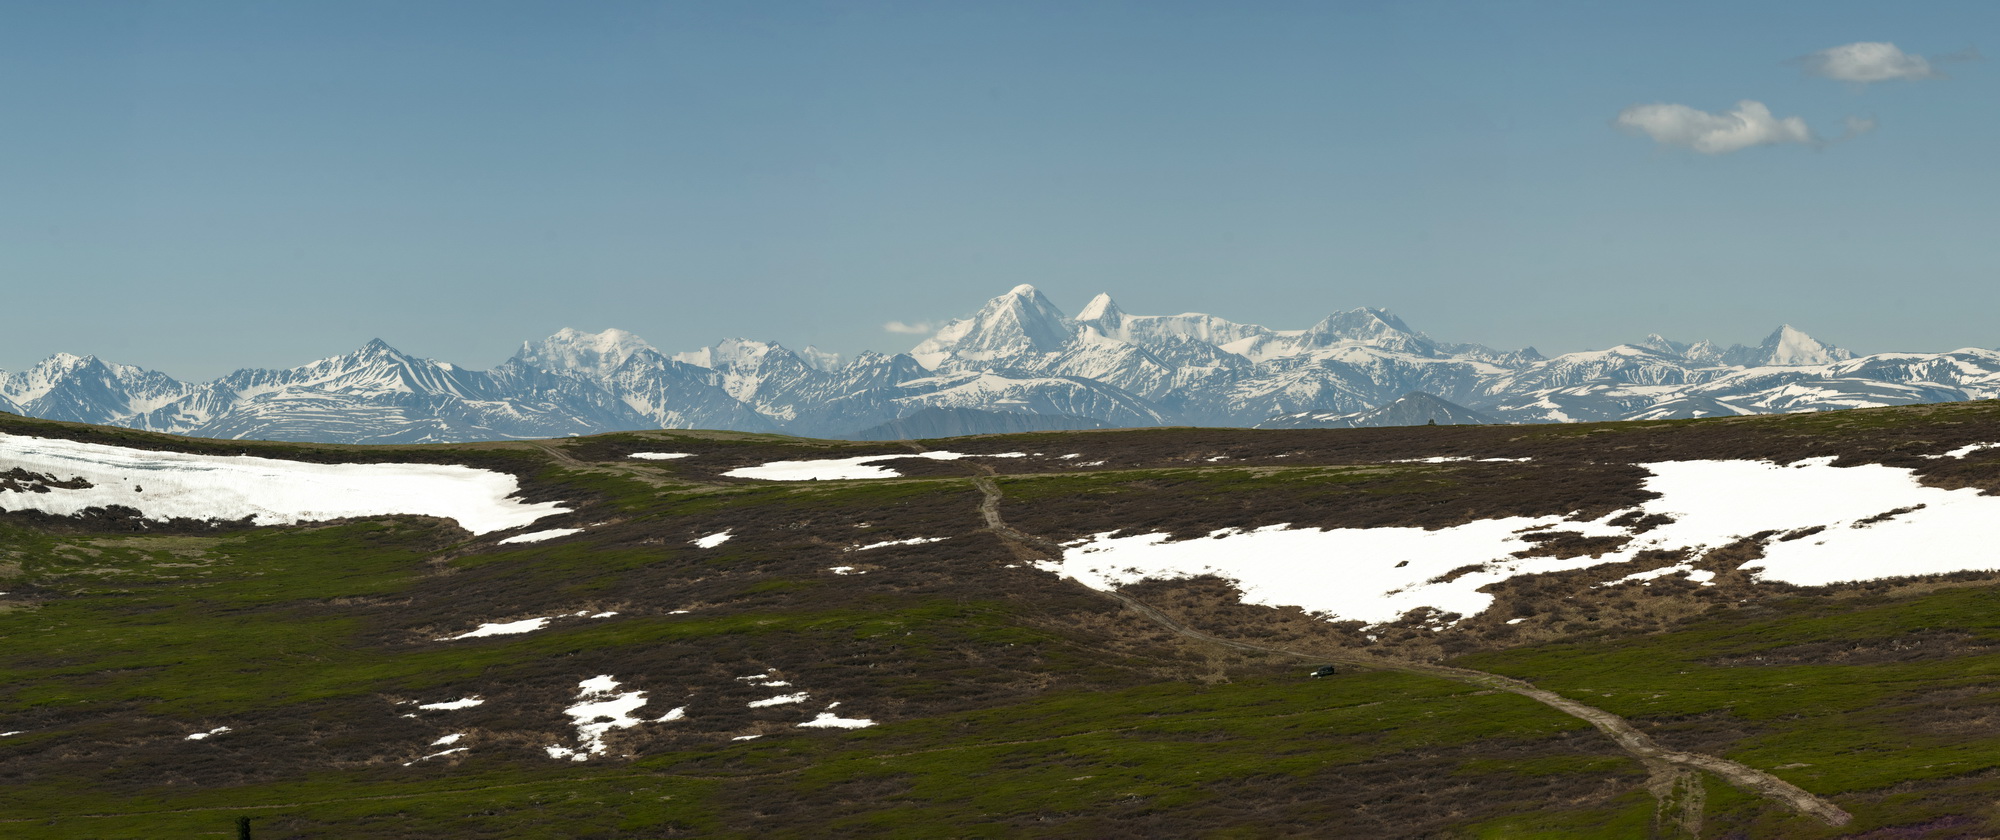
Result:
pixel 194 187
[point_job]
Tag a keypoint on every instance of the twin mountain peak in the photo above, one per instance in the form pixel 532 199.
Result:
pixel 1018 363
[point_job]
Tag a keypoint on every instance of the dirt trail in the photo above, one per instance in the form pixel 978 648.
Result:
pixel 1673 780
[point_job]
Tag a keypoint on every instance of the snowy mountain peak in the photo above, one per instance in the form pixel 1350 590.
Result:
pixel 34 383
pixel 377 356
pixel 65 361
pixel 593 354
pixel 822 360
pixel 1102 312
pixel 1788 345
pixel 1018 353
pixel 1704 352
pixel 1662 345
pixel 731 354
pixel 1373 327
pixel 1020 321
pixel 375 353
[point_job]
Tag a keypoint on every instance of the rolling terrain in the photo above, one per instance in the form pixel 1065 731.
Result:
pixel 1779 626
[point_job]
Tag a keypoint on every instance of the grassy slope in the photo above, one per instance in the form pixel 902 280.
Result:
pixel 1010 704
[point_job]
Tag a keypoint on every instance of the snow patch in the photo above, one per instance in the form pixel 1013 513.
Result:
pixel 779 700
pixel 887 543
pixel 437 754
pixel 203 735
pixel 268 491
pixel 525 625
pixel 448 740
pixel 846 570
pixel 601 708
pixel 829 720
pixel 450 705
pixel 1963 451
pixel 836 469
pixel 538 536
pixel 1872 514
pixel 660 456
pixel 504 628
pixel 712 540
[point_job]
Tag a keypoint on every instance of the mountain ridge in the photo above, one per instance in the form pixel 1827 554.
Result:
pixel 1018 354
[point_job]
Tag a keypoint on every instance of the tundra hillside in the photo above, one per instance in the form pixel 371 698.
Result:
pixel 1781 626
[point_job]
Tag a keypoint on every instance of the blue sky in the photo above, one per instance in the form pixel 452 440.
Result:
pixel 196 186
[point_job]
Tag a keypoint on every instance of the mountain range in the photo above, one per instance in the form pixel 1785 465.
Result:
pixel 1017 359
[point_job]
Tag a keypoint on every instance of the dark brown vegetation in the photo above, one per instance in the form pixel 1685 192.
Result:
pixel 1012 702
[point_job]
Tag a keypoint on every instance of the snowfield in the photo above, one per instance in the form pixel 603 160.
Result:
pixel 829 720
pixel 1878 522
pixel 501 628
pixel 538 536
pixel 836 469
pixel 269 491
pixel 525 625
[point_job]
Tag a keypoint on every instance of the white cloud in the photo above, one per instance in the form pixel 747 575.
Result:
pixel 908 329
pixel 1751 124
pixel 1868 61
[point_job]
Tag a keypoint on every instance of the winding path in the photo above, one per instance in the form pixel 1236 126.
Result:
pixel 1674 773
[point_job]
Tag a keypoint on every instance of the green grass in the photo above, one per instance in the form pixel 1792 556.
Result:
pixel 1163 744
pixel 500 802
pixel 150 622
pixel 301 623
pixel 1834 728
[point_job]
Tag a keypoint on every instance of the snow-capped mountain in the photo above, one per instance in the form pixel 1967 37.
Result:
pixel 1413 409
pixel 1018 355
pixel 83 388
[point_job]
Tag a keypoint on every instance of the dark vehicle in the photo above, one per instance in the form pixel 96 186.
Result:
pixel 1325 671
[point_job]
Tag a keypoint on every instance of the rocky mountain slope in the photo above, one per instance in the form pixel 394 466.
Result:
pixel 1019 354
